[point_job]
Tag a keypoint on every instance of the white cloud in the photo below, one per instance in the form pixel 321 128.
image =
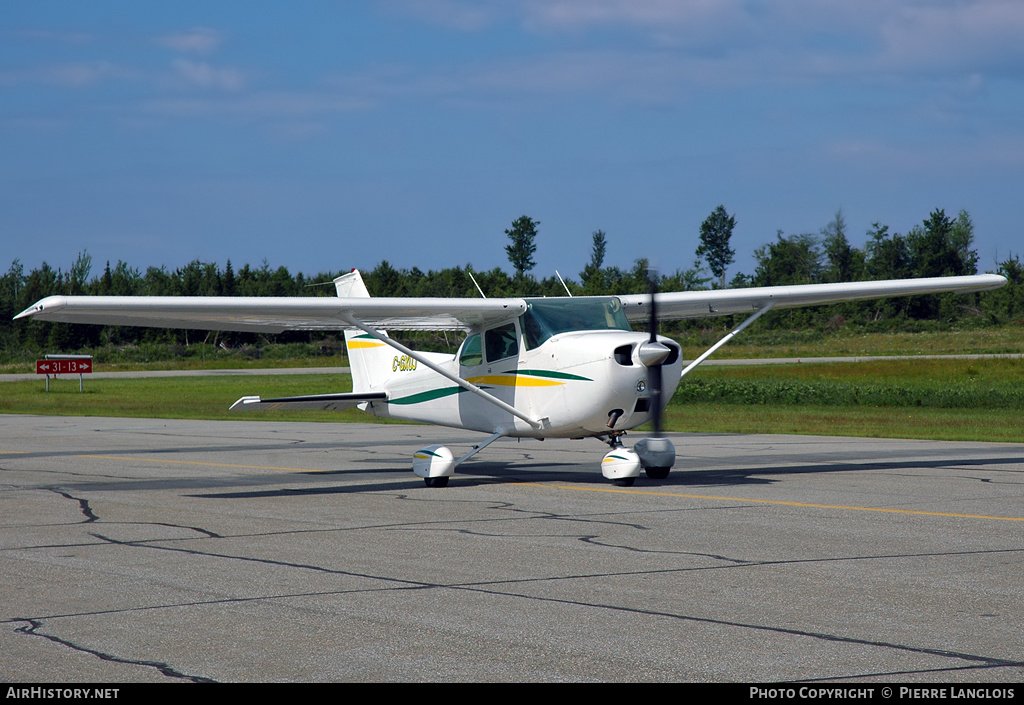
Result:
pixel 54 36
pixel 68 75
pixel 779 41
pixel 573 14
pixel 297 107
pixel 959 35
pixel 462 15
pixel 202 74
pixel 199 40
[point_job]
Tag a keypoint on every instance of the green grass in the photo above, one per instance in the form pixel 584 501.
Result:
pixel 817 343
pixel 978 400
pixel 948 384
pixel 194 363
pixel 173 397
pixel 753 343
pixel 992 425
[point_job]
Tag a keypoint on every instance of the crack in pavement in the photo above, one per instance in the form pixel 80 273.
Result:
pixel 32 626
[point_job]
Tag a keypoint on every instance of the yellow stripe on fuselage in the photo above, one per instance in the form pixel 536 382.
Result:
pixel 514 381
pixel 356 344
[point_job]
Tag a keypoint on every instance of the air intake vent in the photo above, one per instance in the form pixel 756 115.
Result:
pixel 624 355
pixel 673 356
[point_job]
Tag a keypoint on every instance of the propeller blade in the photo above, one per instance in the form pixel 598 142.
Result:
pixel 654 370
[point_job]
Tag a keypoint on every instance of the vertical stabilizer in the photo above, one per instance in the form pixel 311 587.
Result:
pixel 369 358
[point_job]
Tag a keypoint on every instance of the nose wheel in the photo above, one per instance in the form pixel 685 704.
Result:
pixel 657 455
pixel 622 465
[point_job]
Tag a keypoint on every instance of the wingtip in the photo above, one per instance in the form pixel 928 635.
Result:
pixel 35 308
pixel 243 402
pixel 49 303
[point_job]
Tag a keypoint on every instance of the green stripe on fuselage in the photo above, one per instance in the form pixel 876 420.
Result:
pixel 427 396
pixel 448 391
pixel 549 373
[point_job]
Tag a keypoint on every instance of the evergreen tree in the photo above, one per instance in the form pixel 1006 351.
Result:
pixel 845 263
pixel 888 256
pixel 228 281
pixel 592 275
pixel 792 259
pixel 715 232
pixel 942 247
pixel 523 237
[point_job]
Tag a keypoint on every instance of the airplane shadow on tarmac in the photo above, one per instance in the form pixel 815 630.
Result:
pixel 496 473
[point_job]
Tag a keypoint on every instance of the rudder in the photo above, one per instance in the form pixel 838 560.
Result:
pixel 369 358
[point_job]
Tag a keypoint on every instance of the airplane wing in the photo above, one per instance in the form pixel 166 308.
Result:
pixel 330 402
pixel 278 314
pixel 725 302
pixel 265 314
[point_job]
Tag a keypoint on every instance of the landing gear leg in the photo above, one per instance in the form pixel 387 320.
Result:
pixel 435 464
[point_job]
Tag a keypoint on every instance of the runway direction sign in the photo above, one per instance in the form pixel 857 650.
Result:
pixel 64 365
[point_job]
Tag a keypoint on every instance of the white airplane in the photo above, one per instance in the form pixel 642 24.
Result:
pixel 564 367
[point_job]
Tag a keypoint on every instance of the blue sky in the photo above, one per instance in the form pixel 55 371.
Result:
pixel 328 135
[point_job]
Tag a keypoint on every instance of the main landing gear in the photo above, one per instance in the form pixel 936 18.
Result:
pixel 435 464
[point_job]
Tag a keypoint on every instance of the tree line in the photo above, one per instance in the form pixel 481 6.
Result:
pixel 940 246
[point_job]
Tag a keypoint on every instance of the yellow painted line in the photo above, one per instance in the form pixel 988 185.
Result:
pixel 357 344
pixel 616 490
pixel 14 452
pixel 778 502
pixel 197 462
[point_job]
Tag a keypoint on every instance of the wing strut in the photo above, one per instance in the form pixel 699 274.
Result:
pixel 726 339
pixel 468 386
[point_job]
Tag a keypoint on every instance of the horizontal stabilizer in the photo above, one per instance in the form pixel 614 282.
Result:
pixel 330 402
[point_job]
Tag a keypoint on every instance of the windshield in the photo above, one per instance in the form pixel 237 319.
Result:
pixel 547 317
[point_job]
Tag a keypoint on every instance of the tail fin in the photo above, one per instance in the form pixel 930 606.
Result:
pixel 369 358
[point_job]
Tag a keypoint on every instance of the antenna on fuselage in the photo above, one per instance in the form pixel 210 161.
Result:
pixel 563 283
pixel 475 284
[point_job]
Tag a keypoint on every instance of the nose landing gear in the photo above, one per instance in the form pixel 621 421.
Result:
pixel 622 465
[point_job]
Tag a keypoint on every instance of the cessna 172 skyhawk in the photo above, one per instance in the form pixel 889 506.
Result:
pixel 528 368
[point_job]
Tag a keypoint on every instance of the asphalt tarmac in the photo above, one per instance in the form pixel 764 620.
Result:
pixel 153 550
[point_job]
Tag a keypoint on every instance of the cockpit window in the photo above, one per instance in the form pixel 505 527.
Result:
pixel 545 318
pixel 501 342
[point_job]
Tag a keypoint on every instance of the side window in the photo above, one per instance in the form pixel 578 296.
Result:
pixel 501 342
pixel 472 354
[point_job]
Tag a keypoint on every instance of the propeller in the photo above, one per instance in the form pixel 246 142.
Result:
pixel 654 370
pixel 657 453
pixel 652 354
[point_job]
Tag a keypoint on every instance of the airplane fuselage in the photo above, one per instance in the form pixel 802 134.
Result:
pixel 575 382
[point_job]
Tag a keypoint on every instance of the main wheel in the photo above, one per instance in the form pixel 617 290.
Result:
pixel 625 481
pixel 436 481
pixel 657 473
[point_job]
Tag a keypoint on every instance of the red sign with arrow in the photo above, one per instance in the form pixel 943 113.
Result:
pixel 63 367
